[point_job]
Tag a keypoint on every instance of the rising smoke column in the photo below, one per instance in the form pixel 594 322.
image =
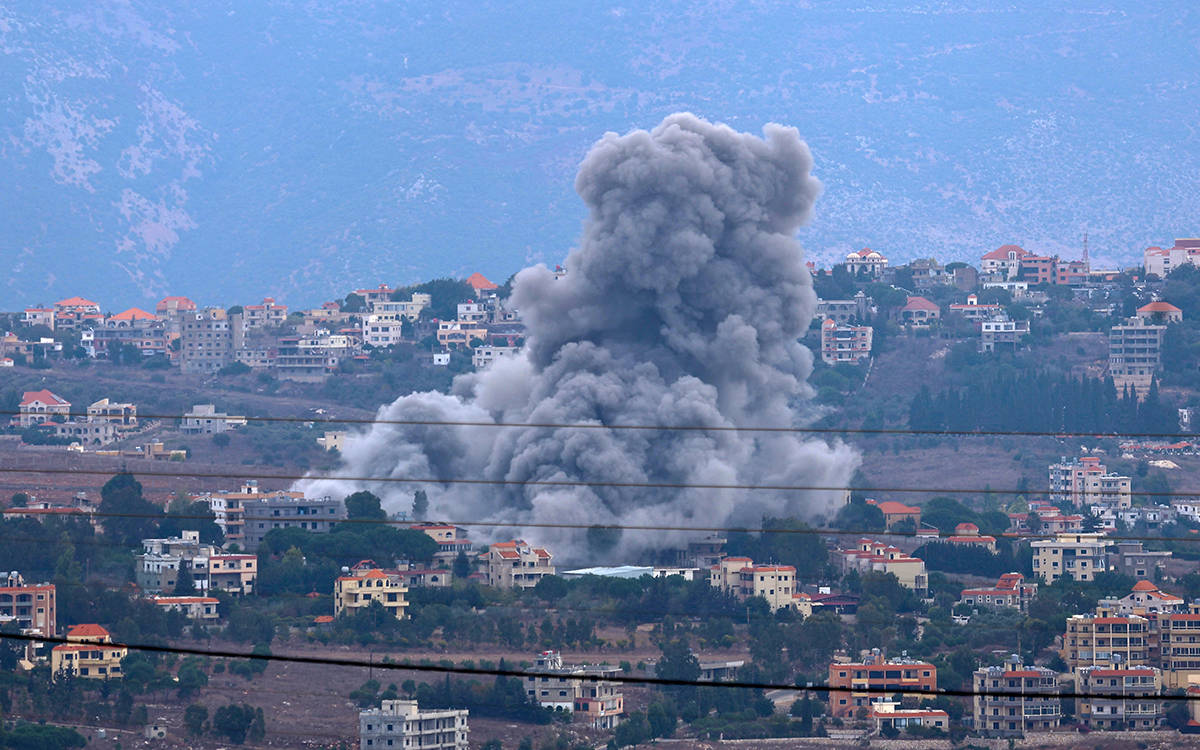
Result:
pixel 682 306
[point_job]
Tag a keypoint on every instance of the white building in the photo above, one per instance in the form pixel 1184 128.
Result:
pixel 401 724
pixel 204 419
pixel 1080 556
pixel 487 354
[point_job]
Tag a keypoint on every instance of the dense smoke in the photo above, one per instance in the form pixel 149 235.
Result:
pixel 682 306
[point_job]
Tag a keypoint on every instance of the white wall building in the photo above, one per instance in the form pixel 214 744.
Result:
pixel 401 724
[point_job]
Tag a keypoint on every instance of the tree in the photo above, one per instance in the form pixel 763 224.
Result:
pixel 365 505
pixel 550 589
pixel 858 515
pixel 233 722
pixel 185 582
pixel 128 516
pixel 194 717
pixel 354 303
pixel 19 500
pixel 221 439
pixel 462 565
pixel 420 505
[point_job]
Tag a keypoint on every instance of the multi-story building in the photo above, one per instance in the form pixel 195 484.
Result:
pixel 896 513
pixel 452 333
pixel 1011 591
pixel 38 316
pixel 233 573
pixel 1162 261
pixel 87 432
pixel 1131 559
pixel 1004 262
pixel 1106 639
pixel 354 592
pixel 1011 700
pixel 516 564
pixel 844 343
pixel 158 568
pixel 1135 353
pixel 1159 313
pixel 451 540
pixel 282 510
pixel 867 262
pixel 132 328
pixel 1080 556
pixel 879 557
pixel 75 313
pixel 208 339
pixel 39 407
pixel 845 311
pixel 123 415
pixel 200 608
pixel 472 312
pixel 919 312
pixel 268 314
pixel 482 286
pixel 579 690
pixel 31 608
pixel 395 309
pixel 856 684
pixel 889 714
pixel 742 578
pixel 204 419
pixel 487 354
pixel 382 293
pixel 1117 699
pixel 380 331
pixel 974 311
pixel 401 724
pixel 1001 332
pixel 1085 481
pixel 967 535
pixel 304 359
pixel 90 654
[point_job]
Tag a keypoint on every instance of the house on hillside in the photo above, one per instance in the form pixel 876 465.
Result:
pixel 918 312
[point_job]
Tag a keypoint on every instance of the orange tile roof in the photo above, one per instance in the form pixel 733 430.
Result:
pixel 1163 307
pixel 322 619
pixel 76 302
pixel 87 630
pixel 1001 253
pixel 891 507
pixel 479 282
pixel 133 313
pixel 920 303
pixel 1144 586
pixel 45 396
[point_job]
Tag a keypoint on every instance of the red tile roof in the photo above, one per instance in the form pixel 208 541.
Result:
pixel 1144 586
pixel 479 282
pixel 1001 253
pixel 1159 307
pixel 181 303
pixel 45 396
pixel 87 630
pixel 920 303
pixel 76 302
pixel 133 313
pixel 891 508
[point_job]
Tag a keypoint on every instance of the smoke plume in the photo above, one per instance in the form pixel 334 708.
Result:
pixel 681 306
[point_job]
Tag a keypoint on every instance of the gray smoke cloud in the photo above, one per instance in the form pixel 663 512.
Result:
pixel 682 306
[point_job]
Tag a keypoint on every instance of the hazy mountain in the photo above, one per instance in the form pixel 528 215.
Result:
pixel 299 148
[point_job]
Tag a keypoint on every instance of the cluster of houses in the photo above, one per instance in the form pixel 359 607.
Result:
pixel 304 345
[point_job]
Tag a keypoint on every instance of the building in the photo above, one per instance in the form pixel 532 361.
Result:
pixel 1160 313
pixel 451 540
pixel 87 432
pixel 199 608
pixel 871 556
pixel 895 513
pixel 866 262
pixel 844 311
pixel 889 714
pixel 208 339
pixel 580 690
pixel 974 311
pixel 1004 262
pixel 39 407
pixel 844 343
pixel 1106 639
pixel 1162 261
pixel 267 314
pixel 233 573
pixel 452 333
pixel 1084 482
pixel 89 655
pixel 856 684
pixel 919 312
pixel 124 416
pixel 1002 332
pixel 379 331
pixel 31 608
pixel 1144 599
pixel 204 419
pixel 318 515
pixel 1117 699
pixel 487 354
pixel 742 578
pixel 401 724
pixel 38 316
pixel 169 307
pixel 1131 559
pixel 1011 700
pixel 75 313
pixel 1080 556
pixel 355 592
pixel 481 285
pixel 333 440
pixel 158 568
pixel 967 535
pixel 515 564
pixel 1134 353
pixel 1012 591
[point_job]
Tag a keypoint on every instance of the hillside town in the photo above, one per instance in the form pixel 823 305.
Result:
pixel 878 620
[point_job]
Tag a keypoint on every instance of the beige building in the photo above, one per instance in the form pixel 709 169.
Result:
pixel 1086 482
pixel 124 416
pixel 89 654
pixel 1117 699
pixel 355 592
pixel 1134 353
pixel 234 574
pixel 202 608
pixel 208 338
pixel 516 564
pixel 1106 639
pixel 39 407
pixel 1080 556
pixel 742 578
pixel 879 557
pixel 599 703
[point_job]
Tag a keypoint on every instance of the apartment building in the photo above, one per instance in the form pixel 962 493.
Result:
pixel 208 338
pixel 1175 645
pixel 451 541
pixel 742 578
pixel 157 569
pixel 136 328
pixel 1117 699
pixel 852 680
pixel 844 311
pixel 1106 639
pixel 1162 261
pixel 89 654
pixel 1133 560
pixel 579 690
pixel 453 333
pixel 1080 556
pixel 890 714
pixel 1084 482
pixel 38 316
pixel 123 415
pixel 395 309
pixel 267 314
pixel 283 510
pixel 1004 262
pixel 29 607
pixel 380 331
pixel 1011 591
pixel 874 556
pixel 75 313
pixel 233 573
pixel 845 343
pixel 1029 701
pixel 1134 353
pixel 355 592
pixel 516 564
pixel 975 311
pixel 198 608
pixel 1002 333
pixel 39 407
pixel 401 724
pixel 487 354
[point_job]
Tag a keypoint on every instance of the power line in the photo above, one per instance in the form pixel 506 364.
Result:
pixel 1174 436
pixel 585 483
pixel 582 676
